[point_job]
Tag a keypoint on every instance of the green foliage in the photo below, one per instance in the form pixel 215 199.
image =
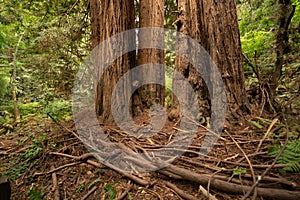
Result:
pixel 80 188
pixel 129 196
pixel 57 39
pixel 6 118
pixel 239 170
pixel 35 194
pixel 4 83
pixel 168 97
pixel 92 184
pixel 4 70
pixel 59 109
pixel 257 124
pixel 29 108
pixel 28 157
pixel 112 193
pixel 290 156
pixel 170 13
pixel 18 167
pixel 258 26
pixel 2 37
pixel 259 41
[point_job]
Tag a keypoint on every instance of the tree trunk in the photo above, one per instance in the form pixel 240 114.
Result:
pixel 286 13
pixel 108 19
pixel 215 26
pixel 189 23
pixel 151 14
pixel 17 115
pixel 224 46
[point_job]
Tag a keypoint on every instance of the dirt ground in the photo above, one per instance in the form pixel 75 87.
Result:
pixel 45 160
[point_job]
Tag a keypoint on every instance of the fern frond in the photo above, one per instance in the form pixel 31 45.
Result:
pixel 290 156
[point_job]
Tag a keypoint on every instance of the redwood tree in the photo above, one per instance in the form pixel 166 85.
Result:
pixel 108 19
pixel 151 14
pixel 215 26
pixel 189 23
pixel 224 46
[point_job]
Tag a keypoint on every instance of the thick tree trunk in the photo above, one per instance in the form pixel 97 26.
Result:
pixel 151 14
pixel 215 26
pixel 224 46
pixel 108 19
pixel 189 23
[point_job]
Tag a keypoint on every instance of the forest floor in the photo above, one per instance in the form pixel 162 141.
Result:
pixel 46 160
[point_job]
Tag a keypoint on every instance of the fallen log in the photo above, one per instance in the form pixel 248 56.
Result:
pixel 232 188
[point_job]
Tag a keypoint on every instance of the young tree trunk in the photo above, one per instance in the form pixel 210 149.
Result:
pixel 109 18
pixel 17 115
pixel 286 13
pixel 151 14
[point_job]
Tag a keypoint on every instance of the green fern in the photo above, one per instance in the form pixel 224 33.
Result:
pixel 290 156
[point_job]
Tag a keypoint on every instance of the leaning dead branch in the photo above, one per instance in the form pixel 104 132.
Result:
pixel 56 169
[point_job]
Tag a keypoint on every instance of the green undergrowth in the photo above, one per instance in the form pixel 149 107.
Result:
pixel 290 156
pixel 29 144
pixel 30 136
pixel 59 109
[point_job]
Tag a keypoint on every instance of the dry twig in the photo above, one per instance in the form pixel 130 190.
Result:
pixel 180 192
pixel 89 193
pixel 249 162
pixel 55 185
pixel 273 163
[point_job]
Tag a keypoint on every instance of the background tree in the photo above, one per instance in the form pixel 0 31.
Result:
pixel 269 47
pixel 286 13
pixel 151 14
pixel 54 44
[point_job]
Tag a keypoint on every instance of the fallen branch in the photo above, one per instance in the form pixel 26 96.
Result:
pixel 77 158
pixel 206 193
pixel 255 166
pixel 249 162
pixel 55 185
pixel 59 124
pixel 225 186
pixel 130 176
pixel 180 192
pixel 89 193
pixel 88 155
pixel 266 134
pixel 274 161
pixel 124 194
pixel 56 169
